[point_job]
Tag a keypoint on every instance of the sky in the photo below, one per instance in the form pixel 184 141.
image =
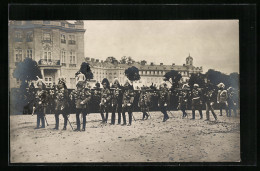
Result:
pixel 213 44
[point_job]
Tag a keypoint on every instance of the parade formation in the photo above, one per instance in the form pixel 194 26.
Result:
pixel 119 99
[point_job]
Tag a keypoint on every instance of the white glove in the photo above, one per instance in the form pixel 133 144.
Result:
pixel 165 104
pixel 81 103
pixel 128 104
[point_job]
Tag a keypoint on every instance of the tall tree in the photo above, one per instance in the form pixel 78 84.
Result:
pixel 86 70
pixel 196 79
pixel 27 70
pixel 173 77
pixel 234 80
pixel 132 73
pixel 112 59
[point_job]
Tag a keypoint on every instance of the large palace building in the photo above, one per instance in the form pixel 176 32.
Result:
pixel 149 73
pixel 57 47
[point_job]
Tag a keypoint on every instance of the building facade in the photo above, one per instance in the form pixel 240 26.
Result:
pixel 57 46
pixel 150 74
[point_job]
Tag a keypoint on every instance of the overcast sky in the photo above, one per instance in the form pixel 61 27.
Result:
pixel 213 44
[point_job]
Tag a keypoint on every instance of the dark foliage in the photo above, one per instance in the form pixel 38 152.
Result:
pixel 86 70
pixel 197 79
pixel 132 73
pixel 27 70
pixel 173 77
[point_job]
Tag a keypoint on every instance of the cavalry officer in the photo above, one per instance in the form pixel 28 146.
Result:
pixel 127 103
pixel 105 99
pixel 222 98
pixel 62 103
pixel 163 100
pixel 196 102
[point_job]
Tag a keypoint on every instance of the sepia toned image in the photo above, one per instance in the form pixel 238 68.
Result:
pixel 85 91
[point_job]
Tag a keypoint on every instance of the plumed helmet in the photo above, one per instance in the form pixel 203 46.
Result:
pixel 196 85
pixel 127 83
pixel 230 89
pixel 221 85
pixel 116 81
pixel 39 81
pixel 105 81
pixel 185 86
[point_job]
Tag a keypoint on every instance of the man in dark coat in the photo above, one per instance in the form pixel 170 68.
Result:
pixel 40 103
pixel 163 100
pixel 105 100
pixel 144 102
pixel 127 102
pixel 232 101
pixel 116 101
pixel 183 99
pixel 209 98
pixel 196 101
pixel 82 98
pixel 62 103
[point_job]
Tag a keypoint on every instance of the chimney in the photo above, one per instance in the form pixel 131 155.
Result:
pixel 92 59
pixel 142 62
pixel 151 64
pixel 183 64
pixel 87 58
pixel 173 64
pixel 102 61
pixel 161 64
pixel 97 60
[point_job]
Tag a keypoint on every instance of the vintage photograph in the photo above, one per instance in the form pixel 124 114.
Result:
pixel 84 91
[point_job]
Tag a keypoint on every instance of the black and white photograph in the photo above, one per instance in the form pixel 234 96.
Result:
pixel 101 91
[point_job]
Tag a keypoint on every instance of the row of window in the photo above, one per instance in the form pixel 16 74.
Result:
pixel 19 54
pixel 72 58
pixel 46 37
pixel 157 73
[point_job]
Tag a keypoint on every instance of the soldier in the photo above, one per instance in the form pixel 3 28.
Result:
pixel 105 99
pixel 51 98
pixel 209 94
pixel 222 98
pixel 62 103
pixel 40 103
pixel 183 99
pixel 82 97
pixel 116 101
pixel 231 101
pixel 163 100
pixel 127 103
pixel 144 102
pixel 196 101
pixel 96 98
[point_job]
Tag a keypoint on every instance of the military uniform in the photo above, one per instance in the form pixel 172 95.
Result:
pixel 163 102
pixel 51 99
pixel 222 100
pixel 183 101
pixel 144 103
pixel 62 105
pixel 82 98
pixel 209 100
pixel 40 104
pixel 116 104
pixel 96 99
pixel 105 103
pixel 232 100
pixel 127 104
pixel 196 102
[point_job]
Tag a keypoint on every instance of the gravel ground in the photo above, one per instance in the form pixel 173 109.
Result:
pixel 176 140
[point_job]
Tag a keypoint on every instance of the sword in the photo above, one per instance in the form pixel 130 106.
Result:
pixel 70 124
pixel 46 120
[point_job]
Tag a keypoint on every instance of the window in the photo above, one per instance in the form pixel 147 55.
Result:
pixel 63 58
pixel 63 24
pixel 18 36
pixel 71 25
pixel 18 55
pixel 47 56
pixel 47 37
pixel 29 53
pixel 48 81
pixel 72 59
pixel 62 38
pixel 18 82
pixel 29 36
pixel 72 40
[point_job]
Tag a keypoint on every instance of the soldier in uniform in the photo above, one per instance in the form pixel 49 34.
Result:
pixel 62 103
pixel 51 98
pixel 116 101
pixel 144 102
pixel 163 100
pixel 40 103
pixel 209 94
pixel 96 97
pixel 231 101
pixel 183 99
pixel 105 100
pixel 222 98
pixel 127 103
pixel 82 97
pixel 196 102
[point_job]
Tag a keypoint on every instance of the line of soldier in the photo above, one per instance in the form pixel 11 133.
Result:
pixel 120 99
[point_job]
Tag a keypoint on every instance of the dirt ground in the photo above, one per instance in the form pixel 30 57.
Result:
pixel 176 140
